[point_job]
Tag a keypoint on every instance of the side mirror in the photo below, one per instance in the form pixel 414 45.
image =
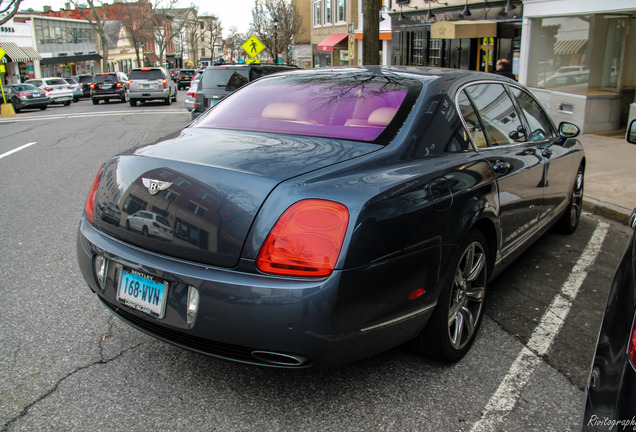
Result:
pixel 631 132
pixel 568 130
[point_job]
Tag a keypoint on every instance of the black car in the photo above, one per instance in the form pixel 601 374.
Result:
pixel 23 96
pixel 321 216
pixel 183 77
pixel 611 388
pixel 85 81
pixel 219 81
pixel 110 85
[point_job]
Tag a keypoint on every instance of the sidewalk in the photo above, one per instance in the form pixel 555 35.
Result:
pixel 609 189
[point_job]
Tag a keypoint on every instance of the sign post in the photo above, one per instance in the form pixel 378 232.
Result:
pixel 253 46
pixel 6 109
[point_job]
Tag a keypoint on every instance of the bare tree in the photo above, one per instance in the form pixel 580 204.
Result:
pixel 165 26
pixel 234 42
pixel 193 31
pixel 213 31
pixel 8 8
pixel 274 23
pixel 371 31
pixel 138 23
pixel 92 15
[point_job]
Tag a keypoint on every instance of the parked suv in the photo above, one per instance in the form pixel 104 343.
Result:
pixel 85 81
pixel 109 85
pixel 219 81
pixel 183 77
pixel 151 83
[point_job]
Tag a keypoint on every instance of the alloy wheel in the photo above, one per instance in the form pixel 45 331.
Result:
pixel 467 297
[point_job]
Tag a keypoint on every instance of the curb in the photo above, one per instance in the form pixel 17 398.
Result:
pixel 610 211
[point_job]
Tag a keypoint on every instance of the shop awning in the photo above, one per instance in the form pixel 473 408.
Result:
pixel 571 46
pixel 152 57
pixel 331 41
pixel 70 59
pixel 463 29
pixel 14 53
pixel 33 54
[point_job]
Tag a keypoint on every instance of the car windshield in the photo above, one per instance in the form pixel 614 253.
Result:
pixel 348 107
pixel 146 74
pixel 98 79
pixel 229 79
pixel 86 79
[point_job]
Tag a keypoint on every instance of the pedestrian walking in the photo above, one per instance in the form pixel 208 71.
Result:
pixel 504 69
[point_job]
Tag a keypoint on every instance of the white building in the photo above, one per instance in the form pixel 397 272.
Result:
pixel 22 60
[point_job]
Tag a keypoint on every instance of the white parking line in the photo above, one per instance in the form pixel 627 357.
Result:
pixel 10 152
pixel 91 114
pixel 505 398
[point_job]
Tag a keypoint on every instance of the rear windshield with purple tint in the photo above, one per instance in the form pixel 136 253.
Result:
pixel 351 107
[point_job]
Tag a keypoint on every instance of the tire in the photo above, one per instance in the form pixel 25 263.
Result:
pixel 127 225
pixel 132 102
pixel 124 97
pixel 42 108
pixel 144 231
pixel 167 100
pixel 67 103
pixel 455 321
pixel 570 219
pixel 95 101
pixel 106 100
pixel 175 97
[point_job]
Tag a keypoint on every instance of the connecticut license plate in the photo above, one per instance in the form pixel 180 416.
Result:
pixel 143 292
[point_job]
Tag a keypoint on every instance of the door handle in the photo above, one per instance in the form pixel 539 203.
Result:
pixel 546 153
pixel 501 167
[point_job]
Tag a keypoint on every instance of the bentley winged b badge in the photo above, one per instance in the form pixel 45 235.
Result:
pixel 155 186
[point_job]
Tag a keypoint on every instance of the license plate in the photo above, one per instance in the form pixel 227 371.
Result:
pixel 145 85
pixel 36 94
pixel 143 292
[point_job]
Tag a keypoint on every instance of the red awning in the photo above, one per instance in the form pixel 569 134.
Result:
pixel 332 40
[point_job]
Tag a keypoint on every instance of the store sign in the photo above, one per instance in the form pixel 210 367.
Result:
pixel 4 29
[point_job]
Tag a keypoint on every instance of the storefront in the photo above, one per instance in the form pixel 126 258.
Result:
pixel 457 36
pixel 21 60
pixel 578 60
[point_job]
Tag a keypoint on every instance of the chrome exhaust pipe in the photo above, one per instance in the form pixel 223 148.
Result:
pixel 279 359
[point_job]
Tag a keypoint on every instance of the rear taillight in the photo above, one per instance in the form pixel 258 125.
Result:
pixel 631 349
pixel 165 83
pixel 48 89
pixel 92 86
pixel 89 207
pixel 306 240
pixel 128 84
pixel 156 225
pixel 119 85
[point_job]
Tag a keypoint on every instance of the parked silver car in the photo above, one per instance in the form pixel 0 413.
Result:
pixel 58 90
pixel 151 83
pixel 76 87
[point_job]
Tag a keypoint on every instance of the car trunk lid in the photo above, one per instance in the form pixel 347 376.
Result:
pixel 209 184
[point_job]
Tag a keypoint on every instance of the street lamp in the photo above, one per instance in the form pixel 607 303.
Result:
pixel 275 23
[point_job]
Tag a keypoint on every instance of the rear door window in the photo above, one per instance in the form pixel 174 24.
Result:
pixel 227 79
pixel 500 121
pixel 538 121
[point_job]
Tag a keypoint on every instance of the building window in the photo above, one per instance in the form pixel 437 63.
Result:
pixel 559 57
pixel 435 52
pixel 328 13
pixel 415 44
pixel 341 11
pixel 317 13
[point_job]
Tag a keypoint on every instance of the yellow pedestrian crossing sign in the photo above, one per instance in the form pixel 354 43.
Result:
pixel 253 46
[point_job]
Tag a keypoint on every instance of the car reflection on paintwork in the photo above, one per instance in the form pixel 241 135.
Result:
pixel 110 212
pixel 149 224
pixel 322 216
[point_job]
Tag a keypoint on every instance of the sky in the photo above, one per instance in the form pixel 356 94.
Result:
pixel 236 13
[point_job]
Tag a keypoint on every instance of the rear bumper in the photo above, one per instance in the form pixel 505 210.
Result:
pixel 108 94
pixel 148 94
pixel 252 318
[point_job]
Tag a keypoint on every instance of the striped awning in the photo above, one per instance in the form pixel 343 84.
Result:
pixel 14 52
pixel 570 46
pixel 32 53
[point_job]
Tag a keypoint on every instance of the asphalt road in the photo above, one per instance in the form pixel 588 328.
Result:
pixel 68 364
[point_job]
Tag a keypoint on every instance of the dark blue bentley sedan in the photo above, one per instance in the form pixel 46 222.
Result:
pixel 317 217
